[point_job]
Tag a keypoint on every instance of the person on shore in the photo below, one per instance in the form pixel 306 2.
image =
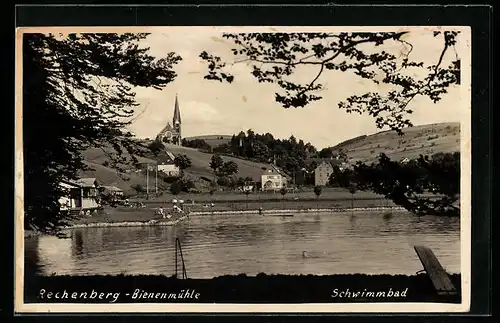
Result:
pixel 260 210
pixel 161 212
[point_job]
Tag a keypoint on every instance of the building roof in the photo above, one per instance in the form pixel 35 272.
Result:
pixel 332 161
pixel 270 172
pixel 81 182
pixel 86 182
pixel 69 184
pixel 325 163
pixel 166 160
pixel 113 188
pixel 144 160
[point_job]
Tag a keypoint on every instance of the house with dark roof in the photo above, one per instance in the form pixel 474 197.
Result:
pixel 81 194
pixel 166 164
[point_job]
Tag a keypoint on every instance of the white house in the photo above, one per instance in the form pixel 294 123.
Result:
pixel 167 165
pixel 272 180
pixel 322 173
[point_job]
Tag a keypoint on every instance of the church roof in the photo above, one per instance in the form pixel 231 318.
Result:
pixel 168 127
pixel 177 112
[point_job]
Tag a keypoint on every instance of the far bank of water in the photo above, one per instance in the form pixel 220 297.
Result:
pixel 314 243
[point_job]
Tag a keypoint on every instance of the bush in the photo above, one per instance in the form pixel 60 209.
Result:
pixel 175 188
pixel 106 163
pixel 225 181
pixel 139 188
pixel 169 179
pixel 155 147
pixel 188 185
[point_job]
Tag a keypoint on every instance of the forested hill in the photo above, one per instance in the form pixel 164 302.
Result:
pixel 293 152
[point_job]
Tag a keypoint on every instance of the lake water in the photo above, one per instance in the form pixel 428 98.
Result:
pixel 337 243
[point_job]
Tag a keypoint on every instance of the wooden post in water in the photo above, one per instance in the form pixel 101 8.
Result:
pixel 147 180
pixel 156 179
pixel 175 258
pixel 81 200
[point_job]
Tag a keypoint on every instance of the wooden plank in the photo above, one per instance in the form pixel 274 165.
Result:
pixel 436 272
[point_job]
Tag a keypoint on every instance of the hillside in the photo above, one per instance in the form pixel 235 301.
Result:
pixel 129 176
pixel 213 140
pixel 425 140
pixel 201 161
pixel 99 162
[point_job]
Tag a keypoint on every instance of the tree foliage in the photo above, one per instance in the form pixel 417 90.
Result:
pixel 228 168
pixel 427 185
pixel 216 162
pixel 176 187
pixel 156 147
pixel 380 57
pixel 289 154
pixel 77 93
pixel 197 143
pixel 183 162
pixel 318 190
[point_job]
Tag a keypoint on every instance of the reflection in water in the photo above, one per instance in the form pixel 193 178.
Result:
pixel 369 242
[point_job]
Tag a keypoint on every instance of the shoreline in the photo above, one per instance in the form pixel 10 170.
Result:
pixel 155 222
pixel 279 211
pixel 152 222
pixel 161 222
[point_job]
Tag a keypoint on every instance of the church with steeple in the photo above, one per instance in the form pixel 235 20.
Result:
pixel 171 134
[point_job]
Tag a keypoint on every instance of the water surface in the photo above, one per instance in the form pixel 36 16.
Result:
pixel 321 244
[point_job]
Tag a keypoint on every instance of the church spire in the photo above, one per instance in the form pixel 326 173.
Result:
pixel 177 112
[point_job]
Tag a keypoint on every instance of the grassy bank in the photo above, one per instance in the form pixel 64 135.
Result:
pixel 305 193
pixel 145 215
pixel 227 201
pixel 244 289
pixel 284 204
pixel 125 215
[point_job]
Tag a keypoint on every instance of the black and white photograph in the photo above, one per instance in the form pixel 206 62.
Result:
pixel 243 169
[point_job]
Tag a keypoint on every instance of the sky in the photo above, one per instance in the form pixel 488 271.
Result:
pixel 210 107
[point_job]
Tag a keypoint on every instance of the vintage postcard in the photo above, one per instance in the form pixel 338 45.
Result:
pixel 243 169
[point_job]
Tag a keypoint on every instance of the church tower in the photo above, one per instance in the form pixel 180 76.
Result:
pixel 176 121
pixel 171 134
